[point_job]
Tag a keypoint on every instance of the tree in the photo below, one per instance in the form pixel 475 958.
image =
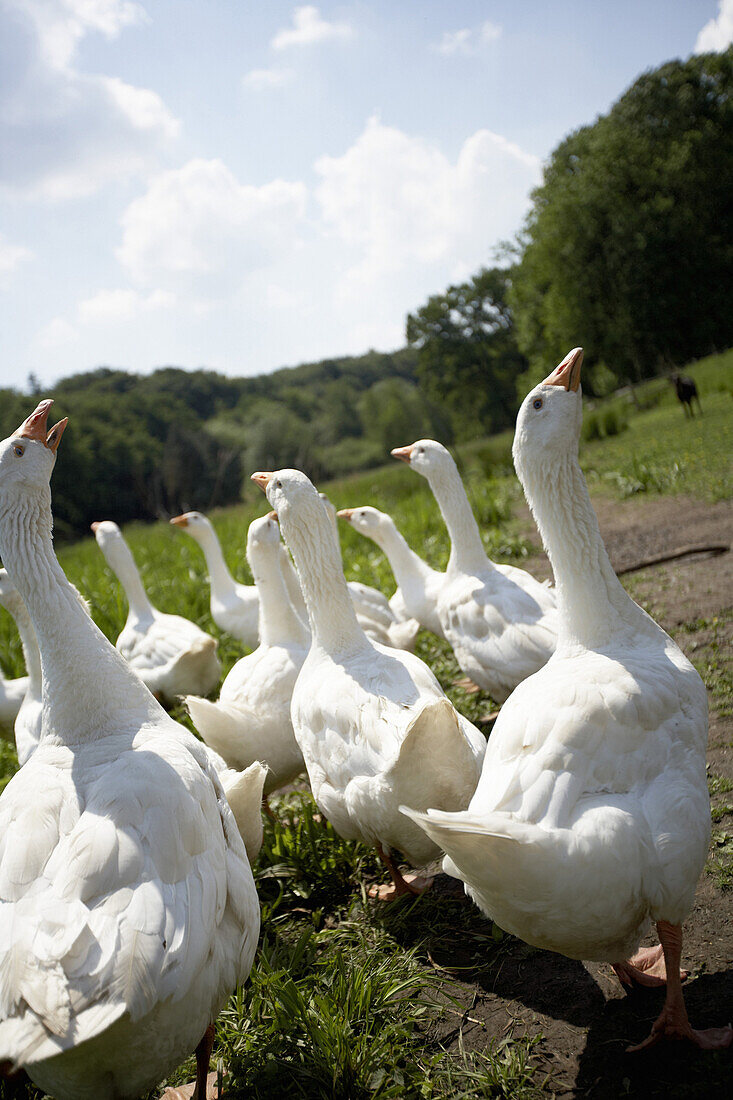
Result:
pixel 628 247
pixel 468 357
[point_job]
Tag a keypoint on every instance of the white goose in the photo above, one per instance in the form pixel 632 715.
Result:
pixel 592 813
pixel 128 912
pixel 235 607
pixel 12 694
pixel 28 719
pixel 382 620
pixel 417 584
pixel 372 722
pixel 170 654
pixel 501 623
pixel 251 720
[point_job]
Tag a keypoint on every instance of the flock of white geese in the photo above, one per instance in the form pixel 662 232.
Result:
pixel 128 909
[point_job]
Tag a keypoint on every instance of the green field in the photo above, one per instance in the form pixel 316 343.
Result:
pixel 343 1001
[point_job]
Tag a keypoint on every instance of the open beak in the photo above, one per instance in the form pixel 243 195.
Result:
pixel 346 513
pixel 261 479
pixel 567 374
pixel 179 521
pixel 403 453
pixel 35 427
pixel 94 526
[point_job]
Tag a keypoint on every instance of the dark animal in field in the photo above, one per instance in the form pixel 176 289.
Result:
pixel 686 391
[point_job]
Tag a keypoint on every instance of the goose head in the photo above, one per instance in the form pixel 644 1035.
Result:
pixel 27 457
pixel 366 520
pixel 115 549
pixel 263 534
pixel 549 420
pixel 191 522
pixel 293 496
pixel 426 456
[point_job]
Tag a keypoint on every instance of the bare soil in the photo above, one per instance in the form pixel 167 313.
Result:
pixel 583 1017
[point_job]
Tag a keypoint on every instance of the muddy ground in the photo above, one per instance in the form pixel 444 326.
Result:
pixel 583 1018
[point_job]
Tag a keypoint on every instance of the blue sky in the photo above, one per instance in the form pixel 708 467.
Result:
pixel 244 185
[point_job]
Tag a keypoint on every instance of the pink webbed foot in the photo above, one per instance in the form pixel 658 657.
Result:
pixel 414 885
pixel 675 1025
pixel 186 1092
pixel 647 968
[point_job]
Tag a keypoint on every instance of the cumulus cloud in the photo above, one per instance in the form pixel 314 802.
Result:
pixel 468 40
pixel 112 306
pixel 264 79
pixel 399 201
pixel 717 34
pixel 10 256
pixel 199 230
pixel 64 132
pixel 56 334
pixel 309 28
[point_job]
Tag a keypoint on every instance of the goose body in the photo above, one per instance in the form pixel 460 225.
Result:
pixel 235 607
pixel 501 623
pixel 592 813
pixel 372 722
pixel 128 912
pixel 251 720
pixel 418 586
pixel 170 654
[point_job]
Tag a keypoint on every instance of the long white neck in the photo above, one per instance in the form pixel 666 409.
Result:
pixel 222 582
pixel 121 562
pixel 279 623
pixel 406 565
pixel 317 555
pixel 467 550
pixel 592 602
pixel 295 592
pixel 29 643
pixel 88 689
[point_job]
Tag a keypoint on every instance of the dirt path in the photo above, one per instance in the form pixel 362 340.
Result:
pixel 580 1011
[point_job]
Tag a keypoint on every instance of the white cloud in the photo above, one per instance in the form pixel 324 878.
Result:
pixel 468 40
pixel 717 34
pixel 309 28
pixel 10 256
pixel 57 333
pixel 61 24
pixel 111 306
pixel 264 79
pixel 398 201
pixel 197 229
pixel 64 132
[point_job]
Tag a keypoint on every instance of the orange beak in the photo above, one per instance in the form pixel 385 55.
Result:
pixel 403 453
pixel 178 521
pixel 261 479
pixel 346 513
pixel 94 526
pixel 567 374
pixel 35 427
pixel 272 515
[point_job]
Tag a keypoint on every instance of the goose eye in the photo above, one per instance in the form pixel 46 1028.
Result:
pixel 537 403
pixel 20 451
pixel 278 484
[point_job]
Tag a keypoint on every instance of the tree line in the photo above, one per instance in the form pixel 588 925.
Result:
pixel 627 249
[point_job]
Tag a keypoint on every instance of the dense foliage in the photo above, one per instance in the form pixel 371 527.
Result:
pixel 468 357
pixel 628 248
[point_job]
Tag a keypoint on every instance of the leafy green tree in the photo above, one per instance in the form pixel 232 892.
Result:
pixel 468 357
pixel 628 247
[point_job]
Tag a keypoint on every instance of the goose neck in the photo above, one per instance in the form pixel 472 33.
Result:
pixel 30 648
pixel 406 565
pixel 221 580
pixel 318 561
pixel 467 550
pixel 592 602
pixel 278 622
pixel 121 562
pixel 86 685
